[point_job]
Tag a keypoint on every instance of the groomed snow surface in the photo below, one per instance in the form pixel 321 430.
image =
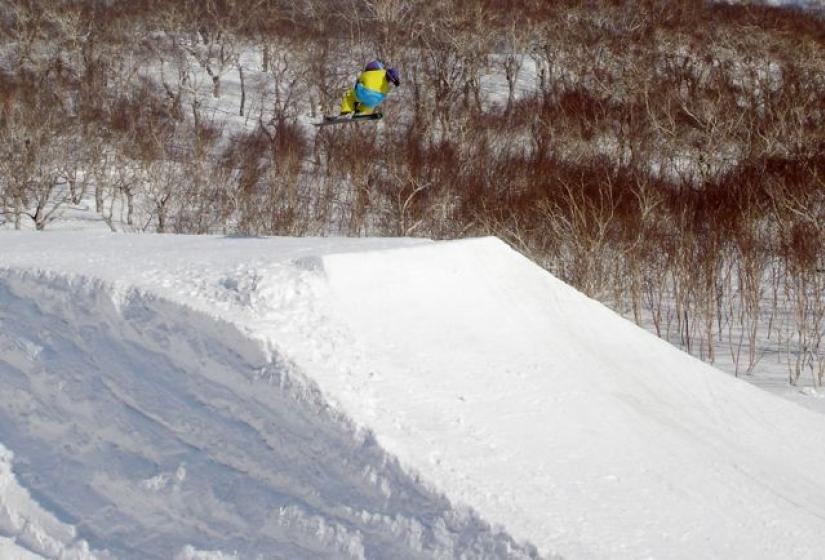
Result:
pixel 212 398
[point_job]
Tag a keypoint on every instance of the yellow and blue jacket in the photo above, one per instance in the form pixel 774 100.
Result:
pixel 369 91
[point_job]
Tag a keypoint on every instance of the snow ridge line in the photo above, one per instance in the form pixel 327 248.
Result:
pixel 174 429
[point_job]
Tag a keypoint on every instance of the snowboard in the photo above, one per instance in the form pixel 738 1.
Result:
pixel 343 119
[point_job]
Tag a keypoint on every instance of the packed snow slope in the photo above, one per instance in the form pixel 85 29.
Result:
pixel 212 397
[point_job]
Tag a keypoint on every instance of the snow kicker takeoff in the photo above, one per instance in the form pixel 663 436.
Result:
pixel 361 101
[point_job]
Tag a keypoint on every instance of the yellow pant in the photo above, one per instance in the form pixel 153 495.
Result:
pixel 349 102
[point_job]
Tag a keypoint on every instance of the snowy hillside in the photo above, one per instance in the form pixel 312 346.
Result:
pixel 213 397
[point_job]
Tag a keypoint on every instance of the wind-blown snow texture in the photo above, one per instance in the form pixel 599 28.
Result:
pixel 216 398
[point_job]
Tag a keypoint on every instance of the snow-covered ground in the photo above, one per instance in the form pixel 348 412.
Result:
pixel 214 397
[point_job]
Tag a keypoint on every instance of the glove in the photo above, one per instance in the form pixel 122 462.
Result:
pixel 392 75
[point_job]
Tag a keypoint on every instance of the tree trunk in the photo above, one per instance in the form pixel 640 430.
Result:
pixel 243 88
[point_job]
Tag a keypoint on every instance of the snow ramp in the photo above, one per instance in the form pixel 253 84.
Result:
pixel 143 428
pixel 212 398
pixel 555 418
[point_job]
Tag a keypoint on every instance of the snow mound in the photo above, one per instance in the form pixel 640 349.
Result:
pixel 568 425
pixel 213 398
pixel 156 430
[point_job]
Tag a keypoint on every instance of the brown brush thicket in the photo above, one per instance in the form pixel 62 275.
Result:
pixel 665 157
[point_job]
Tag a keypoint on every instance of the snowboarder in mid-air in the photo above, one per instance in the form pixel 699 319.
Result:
pixel 361 101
